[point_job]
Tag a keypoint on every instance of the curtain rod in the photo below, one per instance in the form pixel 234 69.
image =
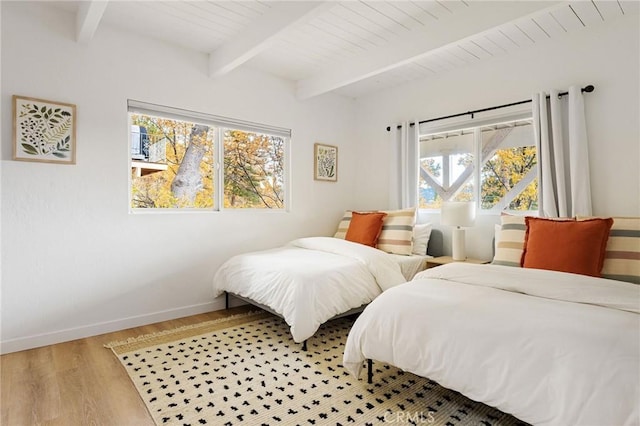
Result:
pixel 587 89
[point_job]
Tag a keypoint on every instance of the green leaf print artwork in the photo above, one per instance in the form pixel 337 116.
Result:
pixel 44 130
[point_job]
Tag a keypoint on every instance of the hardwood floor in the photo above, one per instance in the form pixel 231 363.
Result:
pixel 79 382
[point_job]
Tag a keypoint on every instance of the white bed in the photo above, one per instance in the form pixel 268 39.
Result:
pixel 312 280
pixel 550 348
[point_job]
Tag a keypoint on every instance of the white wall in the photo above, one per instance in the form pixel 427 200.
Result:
pixel 607 57
pixel 74 261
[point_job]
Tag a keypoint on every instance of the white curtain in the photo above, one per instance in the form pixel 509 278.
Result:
pixel 564 187
pixel 404 165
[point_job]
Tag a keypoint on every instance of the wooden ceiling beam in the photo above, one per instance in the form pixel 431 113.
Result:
pixel 87 19
pixel 259 36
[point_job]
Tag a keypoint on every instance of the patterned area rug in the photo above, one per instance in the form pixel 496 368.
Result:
pixel 247 370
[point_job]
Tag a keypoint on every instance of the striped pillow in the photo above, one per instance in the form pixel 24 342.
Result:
pixel 397 231
pixel 622 254
pixel 510 243
pixel 343 226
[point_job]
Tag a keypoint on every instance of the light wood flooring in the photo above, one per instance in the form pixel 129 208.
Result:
pixel 79 382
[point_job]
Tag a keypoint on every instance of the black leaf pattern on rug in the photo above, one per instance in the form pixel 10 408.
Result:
pixel 254 374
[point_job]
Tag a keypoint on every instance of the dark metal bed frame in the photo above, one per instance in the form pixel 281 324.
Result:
pixel 266 308
pixel 435 250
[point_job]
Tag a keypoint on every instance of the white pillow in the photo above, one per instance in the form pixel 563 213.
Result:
pixel 496 237
pixel 421 234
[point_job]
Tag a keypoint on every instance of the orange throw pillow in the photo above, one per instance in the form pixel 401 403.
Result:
pixel 566 246
pixel 365 228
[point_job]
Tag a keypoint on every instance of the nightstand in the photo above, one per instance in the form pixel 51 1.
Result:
pixel 443 260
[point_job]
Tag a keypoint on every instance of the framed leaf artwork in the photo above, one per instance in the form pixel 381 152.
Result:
pixel 44 131
pixel 325 165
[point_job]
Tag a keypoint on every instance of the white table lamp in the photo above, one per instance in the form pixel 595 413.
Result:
pixel 458 214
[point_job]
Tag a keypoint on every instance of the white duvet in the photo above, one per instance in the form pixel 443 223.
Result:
pixel 310 280
pixel 550 348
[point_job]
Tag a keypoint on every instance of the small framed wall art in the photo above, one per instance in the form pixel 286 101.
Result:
pixel 44 131
pixel 325 166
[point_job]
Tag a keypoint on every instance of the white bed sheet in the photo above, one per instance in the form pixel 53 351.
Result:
pixel 550 348
pixel 310 280
pixel 410 265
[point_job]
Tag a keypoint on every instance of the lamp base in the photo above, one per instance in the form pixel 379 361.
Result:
pixel 457 244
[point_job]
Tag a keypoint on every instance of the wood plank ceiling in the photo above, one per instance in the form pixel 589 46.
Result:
pixel 349 47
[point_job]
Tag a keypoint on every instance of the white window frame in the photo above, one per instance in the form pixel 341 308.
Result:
pixel 512 114
pixel 221 124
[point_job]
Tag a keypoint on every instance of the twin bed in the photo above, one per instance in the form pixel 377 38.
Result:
pixel 549 347
pixel 312 280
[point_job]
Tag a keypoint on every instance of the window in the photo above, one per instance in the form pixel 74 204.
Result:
pixel 446 168
pixel 172 163
pixel 253 170
pixel 493 164
pixel 509 174
pixel 187 160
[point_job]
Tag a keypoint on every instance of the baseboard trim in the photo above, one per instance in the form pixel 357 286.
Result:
pixel 60 336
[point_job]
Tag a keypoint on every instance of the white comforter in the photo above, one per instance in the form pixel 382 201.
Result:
pixel 550 348
pixel 310 280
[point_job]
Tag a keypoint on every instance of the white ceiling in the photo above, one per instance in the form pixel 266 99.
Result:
pixel 349 47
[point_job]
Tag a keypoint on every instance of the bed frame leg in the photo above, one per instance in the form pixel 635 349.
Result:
pixel 226 300
pixel 369 371
pixel 304 346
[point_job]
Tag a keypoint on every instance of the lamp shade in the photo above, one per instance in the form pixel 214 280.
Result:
pixel 458 213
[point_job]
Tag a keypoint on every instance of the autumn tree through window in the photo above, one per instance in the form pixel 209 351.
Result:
pixel 182 160
pixel 502 157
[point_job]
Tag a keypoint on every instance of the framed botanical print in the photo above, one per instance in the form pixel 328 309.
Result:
pixel 44 131
pixel 325 166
